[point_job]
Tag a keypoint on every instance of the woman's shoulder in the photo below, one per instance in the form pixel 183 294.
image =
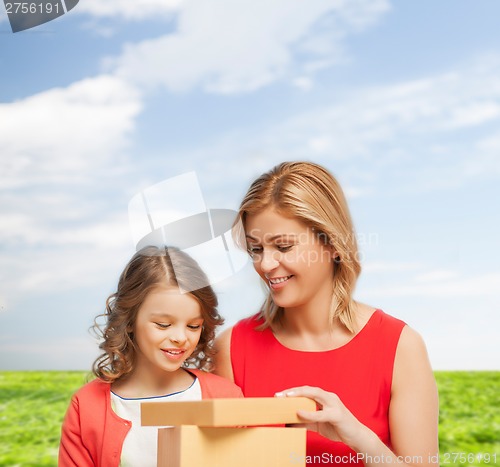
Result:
pixel 411 343
pixel 240 328
pixel 366 314
pixel 250 321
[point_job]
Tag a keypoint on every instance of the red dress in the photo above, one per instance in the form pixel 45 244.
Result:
pixel 360 373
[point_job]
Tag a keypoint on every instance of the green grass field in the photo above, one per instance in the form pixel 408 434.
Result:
pixel 32 406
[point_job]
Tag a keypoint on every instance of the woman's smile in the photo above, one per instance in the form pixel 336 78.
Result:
pixel 277 283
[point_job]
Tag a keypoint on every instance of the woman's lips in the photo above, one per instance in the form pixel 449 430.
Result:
pixel 278 282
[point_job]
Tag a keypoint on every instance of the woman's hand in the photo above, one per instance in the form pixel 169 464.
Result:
pixel 413 412
pixel 332 420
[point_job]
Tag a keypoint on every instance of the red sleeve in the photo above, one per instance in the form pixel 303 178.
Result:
pixel 72 452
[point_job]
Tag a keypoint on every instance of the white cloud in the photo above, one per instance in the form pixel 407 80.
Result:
pixel 436 276
pixel 303 82
pixel 377 267
pixel 398 131
pixel 76 264
pixel 64 240
pixel 448 352
pixel 488 162
pixel 131 10
pixel 31 230
pixel 473 114
pixel 226 47
pixel 57 149
pixel 64 353
pixel 65 131
pixel 485 285
pixel 395 127
pixel 374 116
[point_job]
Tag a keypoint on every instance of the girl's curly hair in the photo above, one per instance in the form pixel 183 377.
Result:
pixel 149 268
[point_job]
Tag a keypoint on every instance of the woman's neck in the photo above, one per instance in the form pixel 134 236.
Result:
pixel 143 383
pixel 311 317
pixel 313 330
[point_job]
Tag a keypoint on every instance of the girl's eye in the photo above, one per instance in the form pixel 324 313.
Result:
pixel 284 248
pixel 162 326
pixel 194 326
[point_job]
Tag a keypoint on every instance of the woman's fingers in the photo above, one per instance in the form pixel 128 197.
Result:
pixel 310 416
pixel 319 395
pixel 333 420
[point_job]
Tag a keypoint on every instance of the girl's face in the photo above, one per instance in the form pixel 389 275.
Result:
pixel 290 258
pixel 167 329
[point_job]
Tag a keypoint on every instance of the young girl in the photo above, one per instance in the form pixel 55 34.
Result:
pixel 153 333
pixel 368 371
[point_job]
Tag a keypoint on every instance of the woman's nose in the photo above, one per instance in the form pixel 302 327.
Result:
pixel 269 261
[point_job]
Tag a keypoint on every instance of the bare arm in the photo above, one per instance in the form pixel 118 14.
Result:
pixel 413 413
pixel 414 409
pixel 223 365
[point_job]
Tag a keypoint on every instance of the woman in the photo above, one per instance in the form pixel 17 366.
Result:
pixel 378 392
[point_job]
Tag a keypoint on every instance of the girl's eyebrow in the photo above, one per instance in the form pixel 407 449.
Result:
pixel 168 316
pixel 161 315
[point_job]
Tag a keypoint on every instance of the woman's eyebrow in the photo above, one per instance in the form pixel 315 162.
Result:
pixel 274 237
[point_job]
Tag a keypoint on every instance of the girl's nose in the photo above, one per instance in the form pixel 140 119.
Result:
pixel 178 337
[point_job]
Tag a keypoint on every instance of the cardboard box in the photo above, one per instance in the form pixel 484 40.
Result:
pixel 192 446
pixel 226 412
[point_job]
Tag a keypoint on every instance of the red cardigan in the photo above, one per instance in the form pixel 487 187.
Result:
pixel 93 434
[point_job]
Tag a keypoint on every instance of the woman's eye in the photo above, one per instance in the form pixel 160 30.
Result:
pixel 254 250
pixel 284 248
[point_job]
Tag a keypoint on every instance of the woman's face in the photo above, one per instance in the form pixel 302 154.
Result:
pixel 291 259
pixel 167 329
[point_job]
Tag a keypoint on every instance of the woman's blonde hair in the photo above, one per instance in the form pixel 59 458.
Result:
pixel 309 193
pixel 149 268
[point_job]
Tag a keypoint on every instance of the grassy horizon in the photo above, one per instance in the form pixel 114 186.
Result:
pixel 33 404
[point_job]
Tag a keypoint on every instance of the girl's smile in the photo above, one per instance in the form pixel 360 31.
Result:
pixel 175 354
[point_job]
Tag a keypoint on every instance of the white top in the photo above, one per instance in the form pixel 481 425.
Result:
pixel 140 445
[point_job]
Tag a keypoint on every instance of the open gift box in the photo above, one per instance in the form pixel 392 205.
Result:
pixel 229 432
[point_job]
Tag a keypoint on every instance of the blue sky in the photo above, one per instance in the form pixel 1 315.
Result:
pixel 400 100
